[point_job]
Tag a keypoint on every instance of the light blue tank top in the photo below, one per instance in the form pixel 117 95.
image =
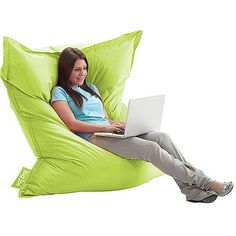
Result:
pixel 92 111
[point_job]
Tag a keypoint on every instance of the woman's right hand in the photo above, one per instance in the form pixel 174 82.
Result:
pixel 116 126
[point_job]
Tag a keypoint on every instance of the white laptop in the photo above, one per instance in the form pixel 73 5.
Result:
pixel 144 115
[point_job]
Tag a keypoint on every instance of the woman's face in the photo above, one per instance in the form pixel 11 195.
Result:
pixel 79 73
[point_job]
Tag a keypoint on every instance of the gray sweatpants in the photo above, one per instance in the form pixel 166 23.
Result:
pixel 159 149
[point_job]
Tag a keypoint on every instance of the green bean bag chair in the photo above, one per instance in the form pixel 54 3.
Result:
pixel 65 162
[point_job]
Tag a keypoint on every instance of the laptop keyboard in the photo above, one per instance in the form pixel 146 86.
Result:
pixel 118 132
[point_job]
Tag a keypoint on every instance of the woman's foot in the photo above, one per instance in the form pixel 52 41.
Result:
pixel 222 189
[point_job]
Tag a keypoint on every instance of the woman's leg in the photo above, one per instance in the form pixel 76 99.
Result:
pixel 166 143
pixel 151 151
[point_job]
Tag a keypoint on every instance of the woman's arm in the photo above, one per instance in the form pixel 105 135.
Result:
pixel 63 110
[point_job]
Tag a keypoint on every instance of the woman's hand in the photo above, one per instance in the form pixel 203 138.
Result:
pixel 115 126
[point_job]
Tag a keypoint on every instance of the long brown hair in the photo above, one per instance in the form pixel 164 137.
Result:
pixel 66 63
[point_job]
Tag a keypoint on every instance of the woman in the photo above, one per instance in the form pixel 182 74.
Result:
pixel 80 106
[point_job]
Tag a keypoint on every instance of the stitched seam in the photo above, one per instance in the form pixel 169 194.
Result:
pixel 38 150
pixel 28 119
pixel 12 95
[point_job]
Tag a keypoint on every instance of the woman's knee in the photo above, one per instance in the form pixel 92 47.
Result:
pixel 164 135
pixel 161 136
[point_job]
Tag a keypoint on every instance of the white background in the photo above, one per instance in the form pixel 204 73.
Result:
pixel 188 53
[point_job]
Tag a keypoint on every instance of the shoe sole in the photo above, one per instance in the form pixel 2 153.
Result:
pixel 209 199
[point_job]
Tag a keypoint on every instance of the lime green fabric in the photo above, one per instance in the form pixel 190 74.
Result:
pixel 65 162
